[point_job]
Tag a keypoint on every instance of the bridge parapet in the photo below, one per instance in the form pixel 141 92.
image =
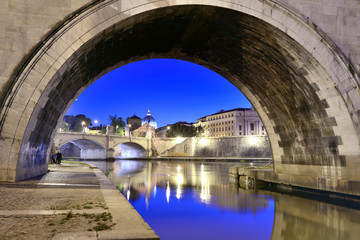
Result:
pixel 107 141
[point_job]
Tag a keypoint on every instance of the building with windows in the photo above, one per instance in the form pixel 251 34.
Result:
pixel 234 122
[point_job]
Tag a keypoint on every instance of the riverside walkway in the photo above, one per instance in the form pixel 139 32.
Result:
pixel 72 201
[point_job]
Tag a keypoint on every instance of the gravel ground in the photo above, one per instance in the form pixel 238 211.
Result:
pixel 71 191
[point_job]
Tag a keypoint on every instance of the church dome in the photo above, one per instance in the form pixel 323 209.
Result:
pixel 149 119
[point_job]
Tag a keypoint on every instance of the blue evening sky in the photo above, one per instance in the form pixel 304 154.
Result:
pixel 173 90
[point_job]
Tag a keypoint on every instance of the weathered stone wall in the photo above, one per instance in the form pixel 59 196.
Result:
pixel 23 24
pixel 237 147
pixel 340 20
pixel 160 145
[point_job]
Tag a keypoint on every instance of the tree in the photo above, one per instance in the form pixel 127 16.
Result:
pixel 103 129
pixel 64 127
pixel 81 122
pixel 181 129
pixel 200 131
pixel 118 124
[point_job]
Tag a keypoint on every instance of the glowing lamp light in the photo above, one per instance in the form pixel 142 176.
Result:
pixel 179 140
pixel 253 140
pixel 204 141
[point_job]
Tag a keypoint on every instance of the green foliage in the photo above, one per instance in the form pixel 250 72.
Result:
pixel 79 123
pixel 200 131
pixel 103 129
pixel 181 130
pixel 118 124
pixel 64 126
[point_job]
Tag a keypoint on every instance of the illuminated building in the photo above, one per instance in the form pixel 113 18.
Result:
pixel 149 119
pixel 234 122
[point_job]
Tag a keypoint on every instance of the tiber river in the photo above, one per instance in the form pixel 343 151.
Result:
pixel 194 200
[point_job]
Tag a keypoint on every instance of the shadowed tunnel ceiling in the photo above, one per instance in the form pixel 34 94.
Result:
pixel 86 144
pixel 253 55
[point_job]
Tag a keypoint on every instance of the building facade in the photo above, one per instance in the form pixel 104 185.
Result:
pixel 234 122
pixel 143 131
pixel 137 127
pixel 133 122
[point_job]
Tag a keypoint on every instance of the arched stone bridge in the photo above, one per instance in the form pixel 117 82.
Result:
pixel 103 141
pixel 297 61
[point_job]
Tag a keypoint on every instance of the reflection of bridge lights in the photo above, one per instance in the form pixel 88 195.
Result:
pixel 180 180
pixel 167 192
pixel 205 187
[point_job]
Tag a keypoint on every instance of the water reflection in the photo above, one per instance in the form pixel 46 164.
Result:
pixel 190 200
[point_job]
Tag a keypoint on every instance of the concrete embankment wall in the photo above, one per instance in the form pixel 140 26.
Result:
pixel 245 146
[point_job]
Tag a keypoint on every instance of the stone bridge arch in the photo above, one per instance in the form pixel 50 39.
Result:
pixel 63 138
pixel 131 150
pixel 143 142
pixel 136 143
pixel 303 87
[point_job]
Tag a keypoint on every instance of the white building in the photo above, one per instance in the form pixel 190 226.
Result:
pixel 234 122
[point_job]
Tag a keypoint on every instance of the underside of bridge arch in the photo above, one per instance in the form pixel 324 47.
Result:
pixel 83 149
pixel 130 150
pixel 291 91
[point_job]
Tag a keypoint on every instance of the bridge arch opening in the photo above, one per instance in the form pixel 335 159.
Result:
pixel 83 149
pixel 129 150
pixel 280 62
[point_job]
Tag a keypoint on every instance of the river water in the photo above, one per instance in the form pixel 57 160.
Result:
pixel 194 200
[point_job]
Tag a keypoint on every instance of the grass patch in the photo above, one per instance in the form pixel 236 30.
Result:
pixel 102 226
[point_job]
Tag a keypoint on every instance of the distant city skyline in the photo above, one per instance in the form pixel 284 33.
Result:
pixel 173 91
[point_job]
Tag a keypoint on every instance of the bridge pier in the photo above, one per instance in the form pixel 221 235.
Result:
pixel 110 153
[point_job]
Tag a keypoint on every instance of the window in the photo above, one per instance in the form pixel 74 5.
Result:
pixel 252 126
pixel 240 127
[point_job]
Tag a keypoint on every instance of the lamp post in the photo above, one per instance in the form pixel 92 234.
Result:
pixel 83 124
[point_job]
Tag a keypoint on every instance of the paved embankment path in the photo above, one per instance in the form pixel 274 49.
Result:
pixel 72 201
